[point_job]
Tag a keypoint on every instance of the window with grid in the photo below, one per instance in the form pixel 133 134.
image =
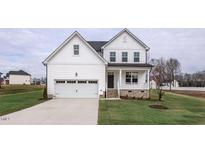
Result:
pixel 92 82
pixel 82 82
pixel 128 77
pixel 71 81
pixel 134 77
pixel 124 56
pixel 60 81
pixel 131 77
pixel 136 57
pixel 112 56
pixel 76 49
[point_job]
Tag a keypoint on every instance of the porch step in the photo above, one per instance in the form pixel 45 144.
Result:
pixel 112 93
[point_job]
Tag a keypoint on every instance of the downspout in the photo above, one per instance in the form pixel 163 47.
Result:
pixel 46 76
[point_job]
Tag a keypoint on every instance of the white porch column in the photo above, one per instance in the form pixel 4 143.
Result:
pixel 120 82
pixel 106 83
pixel 148 82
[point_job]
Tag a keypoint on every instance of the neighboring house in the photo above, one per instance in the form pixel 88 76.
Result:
pixel 153 84
pixel 89 69
pixel 18 77
pixel 174 84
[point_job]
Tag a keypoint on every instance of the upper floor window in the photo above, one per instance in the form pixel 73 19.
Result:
pixel 124 56
pixel 136 57
pixel 76 49
pixel 112 56
pixel 124 39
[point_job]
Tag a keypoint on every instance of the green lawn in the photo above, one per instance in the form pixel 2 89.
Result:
pixel 181 110
pixel 13 89
pixel 13 102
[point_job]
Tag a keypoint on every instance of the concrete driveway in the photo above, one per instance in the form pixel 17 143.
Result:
pixel 56 112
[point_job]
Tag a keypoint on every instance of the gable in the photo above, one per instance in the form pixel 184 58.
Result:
pixel 75 39
pixel 65 54
pixel 124 41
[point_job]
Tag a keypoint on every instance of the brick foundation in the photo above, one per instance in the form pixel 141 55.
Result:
pixel 137 94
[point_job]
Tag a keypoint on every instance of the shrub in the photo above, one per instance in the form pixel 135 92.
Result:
pixel 45 96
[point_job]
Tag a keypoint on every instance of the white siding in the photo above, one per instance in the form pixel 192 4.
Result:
pixel 64 65
pixel 141 78
pixel 141 81
pixel 94 72
pixel 19 79
pixel 66 54
pixel 130 46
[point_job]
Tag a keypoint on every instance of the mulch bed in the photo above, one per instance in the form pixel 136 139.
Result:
pixel 158 106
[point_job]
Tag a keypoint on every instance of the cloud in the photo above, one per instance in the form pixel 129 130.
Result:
pixel 27 48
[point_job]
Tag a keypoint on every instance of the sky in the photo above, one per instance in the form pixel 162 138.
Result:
pixel 26 48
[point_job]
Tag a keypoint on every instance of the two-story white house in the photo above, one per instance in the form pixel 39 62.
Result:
pixel 93 69
pixel 18 77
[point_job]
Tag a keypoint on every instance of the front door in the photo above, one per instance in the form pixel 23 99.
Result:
pixel 110 80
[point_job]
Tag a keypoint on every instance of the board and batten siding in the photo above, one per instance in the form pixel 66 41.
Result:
pixel 125 43
pixel 65 65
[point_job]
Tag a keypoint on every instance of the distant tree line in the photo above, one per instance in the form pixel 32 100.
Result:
pixel 191 80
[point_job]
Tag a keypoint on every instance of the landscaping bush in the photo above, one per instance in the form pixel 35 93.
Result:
pixel 45 96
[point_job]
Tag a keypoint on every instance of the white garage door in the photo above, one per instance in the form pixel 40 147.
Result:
pixel 76 89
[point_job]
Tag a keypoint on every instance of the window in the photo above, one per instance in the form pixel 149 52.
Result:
pixel 76 49
pixel 128 77
pixel 134 77
pixel 70 81
pixel 60 81
pixel 112 56
pixel 131 77
pixel 82 82
pixel 124 39
pixel 136 57
pixel 92 82
pixel 124 56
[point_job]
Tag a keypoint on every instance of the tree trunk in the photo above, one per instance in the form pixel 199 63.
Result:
pixel 160 94
pixel 170 86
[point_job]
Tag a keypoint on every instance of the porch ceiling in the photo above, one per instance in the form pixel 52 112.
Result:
pixel 125 66
pixel 129 65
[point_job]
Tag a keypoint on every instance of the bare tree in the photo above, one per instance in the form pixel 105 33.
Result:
pixel 159 74
pixel 173 67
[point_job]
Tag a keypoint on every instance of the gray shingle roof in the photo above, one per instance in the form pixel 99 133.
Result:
pixel 97 44
pixel 20 72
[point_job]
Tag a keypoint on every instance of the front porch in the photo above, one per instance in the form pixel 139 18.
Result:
pixel 127 82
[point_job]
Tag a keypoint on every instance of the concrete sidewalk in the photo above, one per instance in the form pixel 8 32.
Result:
pixel 56 112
